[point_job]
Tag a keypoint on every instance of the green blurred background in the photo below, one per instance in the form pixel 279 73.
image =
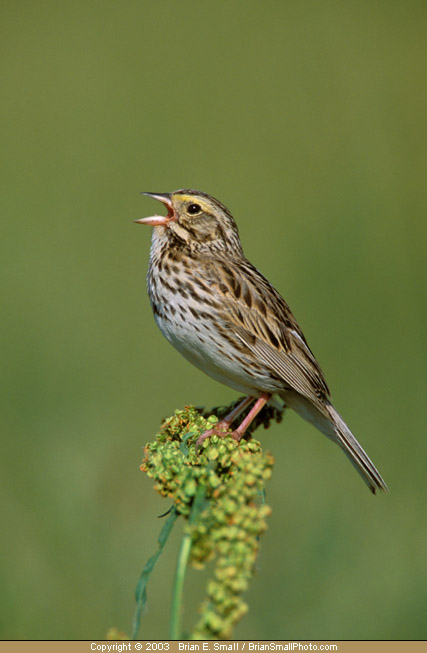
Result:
pixel 307 120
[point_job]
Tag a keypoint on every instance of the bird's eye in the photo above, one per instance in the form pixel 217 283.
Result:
pixel 193 209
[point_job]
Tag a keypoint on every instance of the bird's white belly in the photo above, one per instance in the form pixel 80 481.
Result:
pixel 200 345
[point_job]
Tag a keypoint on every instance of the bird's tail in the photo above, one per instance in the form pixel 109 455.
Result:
pixel 356 454
pixel 332 425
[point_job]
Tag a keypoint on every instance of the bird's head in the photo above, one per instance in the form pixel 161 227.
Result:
pixel 196 220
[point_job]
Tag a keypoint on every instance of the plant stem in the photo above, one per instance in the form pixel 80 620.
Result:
pixel 184 552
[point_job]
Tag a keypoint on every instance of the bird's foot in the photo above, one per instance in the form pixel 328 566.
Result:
pixel 221 429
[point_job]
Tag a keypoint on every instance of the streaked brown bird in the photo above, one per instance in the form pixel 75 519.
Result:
pixel 219 311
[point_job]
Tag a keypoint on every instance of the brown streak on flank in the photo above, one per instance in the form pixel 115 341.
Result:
pixel 211 302
pixel 169 288
pixel 204 315
pixel 230 339
pixel 193 294
pixel 201 284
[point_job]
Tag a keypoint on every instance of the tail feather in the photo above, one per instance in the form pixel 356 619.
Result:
pixel 356 454
pixel 333 426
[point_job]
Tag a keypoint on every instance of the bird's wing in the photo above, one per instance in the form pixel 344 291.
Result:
pixel 264 323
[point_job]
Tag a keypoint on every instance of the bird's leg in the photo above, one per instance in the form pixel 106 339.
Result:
pixel 222 427
pixel 258 405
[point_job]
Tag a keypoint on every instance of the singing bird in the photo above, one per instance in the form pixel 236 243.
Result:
pixel 223 315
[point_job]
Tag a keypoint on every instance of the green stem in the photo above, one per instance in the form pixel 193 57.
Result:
pixel 184 552
pixel 181 566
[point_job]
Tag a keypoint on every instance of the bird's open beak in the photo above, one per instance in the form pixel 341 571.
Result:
pixel 155 220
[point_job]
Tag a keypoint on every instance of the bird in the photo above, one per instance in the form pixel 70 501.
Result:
pixel 225 317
